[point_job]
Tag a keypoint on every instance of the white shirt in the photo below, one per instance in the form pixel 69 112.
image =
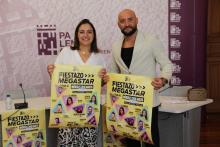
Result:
pixel 69 56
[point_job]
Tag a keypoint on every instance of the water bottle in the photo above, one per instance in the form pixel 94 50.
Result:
pixel 8 102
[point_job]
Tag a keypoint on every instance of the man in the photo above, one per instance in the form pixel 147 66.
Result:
pixel 140 125
pixel 57 120
pixel 112 117
pixel 137 54
pixel 59 108
pixel 10 144
pixel 89 111
pixel 37 143
pixel 60 90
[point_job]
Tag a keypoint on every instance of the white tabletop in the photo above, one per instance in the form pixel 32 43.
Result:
pixel 168 104
pixel 180 104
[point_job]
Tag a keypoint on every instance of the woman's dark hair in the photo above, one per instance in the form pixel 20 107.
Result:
pixel 40 135
pixel 19 139
pixel 145 116
pixel 121 108
pixel 76 45
pixel 91 100
pixel 69 98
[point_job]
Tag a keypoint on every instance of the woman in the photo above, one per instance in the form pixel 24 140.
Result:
pixel 40 135
pixel 19 139
pixel 93 100
pixel 121 111
pixel 69 101
pixel 83 52
pixel 144 114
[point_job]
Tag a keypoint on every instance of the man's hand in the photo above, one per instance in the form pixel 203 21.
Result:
pixel 50 69
pixel 158 83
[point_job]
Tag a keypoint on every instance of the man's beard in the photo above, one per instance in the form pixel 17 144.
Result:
pixel 133 30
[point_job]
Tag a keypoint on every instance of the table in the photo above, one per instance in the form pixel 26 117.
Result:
pixel 179 121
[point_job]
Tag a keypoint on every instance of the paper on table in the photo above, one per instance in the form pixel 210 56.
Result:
pixel 175 100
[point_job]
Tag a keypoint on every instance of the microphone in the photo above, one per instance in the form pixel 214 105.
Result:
pixel 23 92
pixel 24 104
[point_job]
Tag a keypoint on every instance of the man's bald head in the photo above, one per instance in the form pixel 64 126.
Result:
pixel 127 12
pixel 127 22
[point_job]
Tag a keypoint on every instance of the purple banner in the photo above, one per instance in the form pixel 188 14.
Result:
pixel 184 49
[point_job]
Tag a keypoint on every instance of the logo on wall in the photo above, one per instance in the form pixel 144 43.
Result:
pixel 175 43
pixel 175 17
pixel 176 68
pixel 175 80
pixel 175 4
pixel 175 56
pixel 49 43
pixel 175 30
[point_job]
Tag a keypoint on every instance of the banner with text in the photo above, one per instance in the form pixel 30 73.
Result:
pixel 129 106
pixel 24 128
pixel 75 96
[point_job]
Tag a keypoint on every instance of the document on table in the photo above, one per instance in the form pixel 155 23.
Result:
pixel 175 100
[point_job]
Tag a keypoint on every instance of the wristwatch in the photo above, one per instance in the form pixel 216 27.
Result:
pixel 165 81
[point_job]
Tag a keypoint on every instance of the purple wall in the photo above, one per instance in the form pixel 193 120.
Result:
pixel 187 41
pixel 201 7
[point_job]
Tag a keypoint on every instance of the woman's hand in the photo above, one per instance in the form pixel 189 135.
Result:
pixel 50 69
pixel 105 78
pixel 103 75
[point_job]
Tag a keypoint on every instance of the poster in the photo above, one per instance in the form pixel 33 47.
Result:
pixel 129 106
pixel 24 128
pixel 75 96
